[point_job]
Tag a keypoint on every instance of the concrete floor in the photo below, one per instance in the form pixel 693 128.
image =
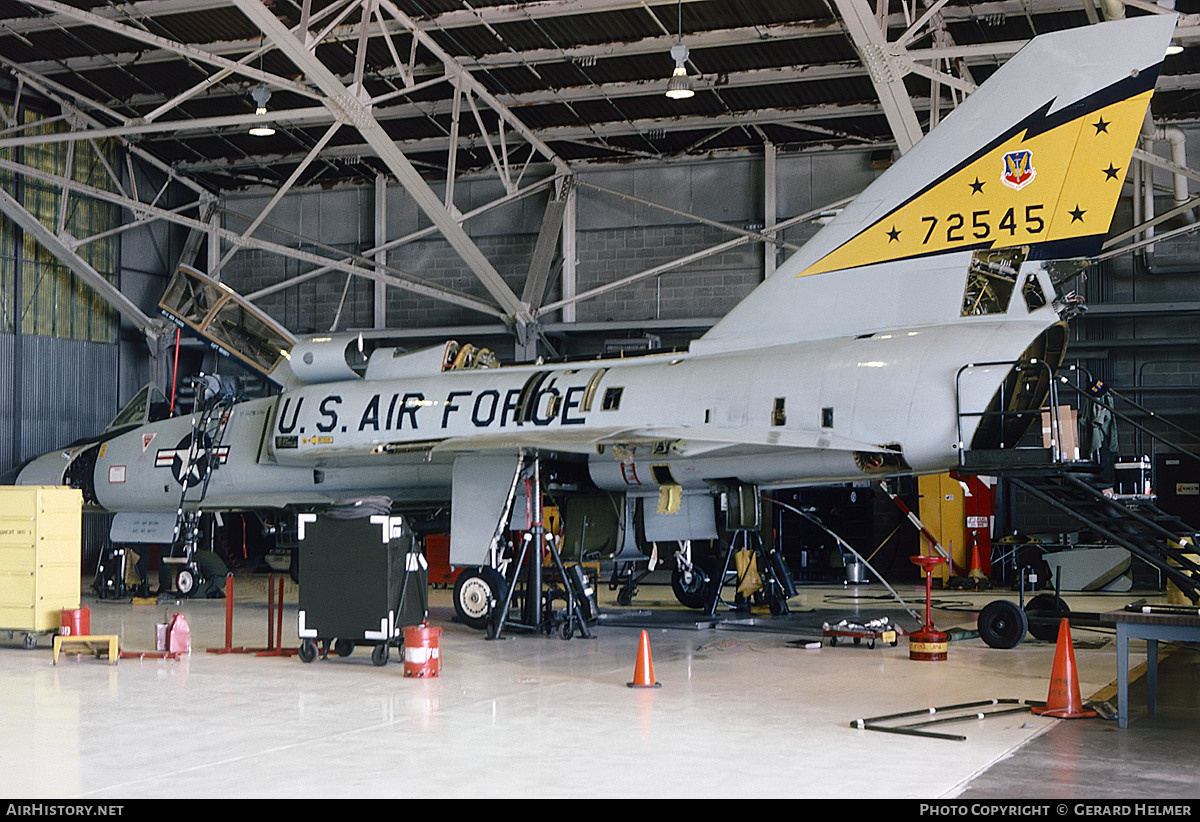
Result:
pixel 744 709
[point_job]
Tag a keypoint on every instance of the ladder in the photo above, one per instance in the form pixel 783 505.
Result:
pixel 205 447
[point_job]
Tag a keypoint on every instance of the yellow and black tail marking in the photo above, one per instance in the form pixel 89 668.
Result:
pixel 1050 183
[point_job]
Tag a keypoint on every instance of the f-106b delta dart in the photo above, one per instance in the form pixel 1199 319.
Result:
pixel 890 344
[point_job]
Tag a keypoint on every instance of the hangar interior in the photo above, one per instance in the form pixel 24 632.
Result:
pixel 515 176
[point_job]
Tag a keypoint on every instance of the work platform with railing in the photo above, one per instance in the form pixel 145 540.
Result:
pixel 1071 478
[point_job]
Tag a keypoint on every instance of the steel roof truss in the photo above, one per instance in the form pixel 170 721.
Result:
pixel 394 277
pixel 313 153
pixel 64 253
pixel 180 49
pixel 401 241
pixel 871 42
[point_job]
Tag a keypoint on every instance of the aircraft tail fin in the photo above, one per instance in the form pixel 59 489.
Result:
pixel 1034 161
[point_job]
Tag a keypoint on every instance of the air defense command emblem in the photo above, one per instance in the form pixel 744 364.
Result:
pixel 1018 169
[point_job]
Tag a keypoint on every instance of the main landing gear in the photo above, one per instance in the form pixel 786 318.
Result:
pixel 477 593
pixel 523 597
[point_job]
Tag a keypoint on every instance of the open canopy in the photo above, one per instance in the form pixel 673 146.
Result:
pixel 231 325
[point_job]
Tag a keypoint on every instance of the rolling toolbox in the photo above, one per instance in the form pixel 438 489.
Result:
pixel 362 580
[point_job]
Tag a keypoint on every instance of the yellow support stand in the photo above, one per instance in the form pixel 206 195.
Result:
pixel 94 644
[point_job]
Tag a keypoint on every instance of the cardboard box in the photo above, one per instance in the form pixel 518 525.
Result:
pixel 1067 435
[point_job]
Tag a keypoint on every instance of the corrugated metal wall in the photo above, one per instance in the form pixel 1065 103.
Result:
pixel 68 390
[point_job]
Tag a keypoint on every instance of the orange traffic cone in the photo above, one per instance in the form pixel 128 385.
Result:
pixel 1064 701
pixel 976 573
pixel 643 670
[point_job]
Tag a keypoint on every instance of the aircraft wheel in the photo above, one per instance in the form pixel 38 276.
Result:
pixel 1045 605
pixel 1002 624
pixel 379 654
pixel 343 647
pixel 476 592
pixel 185 581
pixel 308 651
pixel 693 590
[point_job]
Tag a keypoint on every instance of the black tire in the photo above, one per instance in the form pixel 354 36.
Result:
pixel 343 647
pixel 1002 624
pixel 308 651
pixel 476 592
pixel 1044 613
pixel 694 590
pixel 379 654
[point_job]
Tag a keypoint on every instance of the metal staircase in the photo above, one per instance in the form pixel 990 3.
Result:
pixel 1136 525
pixel 1073 487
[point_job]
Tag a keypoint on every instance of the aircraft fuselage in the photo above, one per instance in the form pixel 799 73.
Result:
pixel 797 414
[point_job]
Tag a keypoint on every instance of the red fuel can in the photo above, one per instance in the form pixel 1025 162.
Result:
pixel 422 650
pixel 76 621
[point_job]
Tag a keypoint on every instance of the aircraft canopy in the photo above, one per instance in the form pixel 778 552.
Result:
pixel 229 322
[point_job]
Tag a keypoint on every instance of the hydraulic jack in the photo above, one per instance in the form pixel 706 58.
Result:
pixel 537 612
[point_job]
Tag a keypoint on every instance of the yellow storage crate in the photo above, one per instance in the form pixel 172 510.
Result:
pixel 40 535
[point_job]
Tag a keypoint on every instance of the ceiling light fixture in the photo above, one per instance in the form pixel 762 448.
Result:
pixel 1174 49
pixel 679 87
pixel 261 96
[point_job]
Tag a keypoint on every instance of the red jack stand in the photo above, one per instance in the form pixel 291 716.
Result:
pixel 275 637
pixel 927 643
pixel 274 623
pixel 228 649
